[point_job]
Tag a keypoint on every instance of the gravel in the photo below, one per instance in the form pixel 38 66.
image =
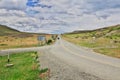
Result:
pixel 59 70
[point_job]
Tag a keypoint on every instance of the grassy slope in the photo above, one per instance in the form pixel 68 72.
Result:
pixel 107 40
pixel 22 69
pixel 10 38
pixel 4 30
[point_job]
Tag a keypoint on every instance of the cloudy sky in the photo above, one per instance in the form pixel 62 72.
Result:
pixel 58 16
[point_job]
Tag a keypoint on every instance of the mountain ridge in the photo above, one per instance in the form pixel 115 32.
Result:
pixel 5 30
pixel 109 27
pixel 111 31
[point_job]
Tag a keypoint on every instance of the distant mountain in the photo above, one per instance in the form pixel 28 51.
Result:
pixel 4 30
pixel 107 31
pixel 110 28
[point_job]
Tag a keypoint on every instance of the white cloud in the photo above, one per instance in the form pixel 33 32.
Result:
pixel 55 16
pixel 13 4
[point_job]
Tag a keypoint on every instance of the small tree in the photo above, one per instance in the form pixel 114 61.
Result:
pixel 49 41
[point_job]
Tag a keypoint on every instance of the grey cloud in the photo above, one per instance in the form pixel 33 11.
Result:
pixel 13 4
pixel 64 16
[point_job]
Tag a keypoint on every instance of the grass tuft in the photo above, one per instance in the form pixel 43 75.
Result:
pixel 22 69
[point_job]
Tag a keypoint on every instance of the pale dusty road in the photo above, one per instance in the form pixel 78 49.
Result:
pixel 70 62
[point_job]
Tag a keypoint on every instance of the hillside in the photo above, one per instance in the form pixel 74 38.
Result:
pixel 107 31
pixel 111 32
pixel 105 40
pixel 110 28
pixel 11 38
pixel 4 30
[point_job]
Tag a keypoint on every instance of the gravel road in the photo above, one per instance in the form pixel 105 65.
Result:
pixel 70 62
pixel 60 70
pixel 67 61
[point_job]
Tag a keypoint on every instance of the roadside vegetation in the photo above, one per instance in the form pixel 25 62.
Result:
pixel 11 38
pixel 105 41
pixel 25 67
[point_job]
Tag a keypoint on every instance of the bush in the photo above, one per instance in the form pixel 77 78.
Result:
pixel 49 41
pixel 3 44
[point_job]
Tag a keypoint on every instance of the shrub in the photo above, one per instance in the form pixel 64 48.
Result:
pixel 49 41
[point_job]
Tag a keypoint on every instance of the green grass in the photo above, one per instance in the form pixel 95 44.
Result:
pixel 4 30
pixel 106 41
pixel 22 69
pixel 101 45
pixel 90 45
pixel 115 52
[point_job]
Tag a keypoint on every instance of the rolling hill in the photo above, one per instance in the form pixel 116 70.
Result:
pixel 105 40
pixel 11 38
pixel 4 30
pixel 111 31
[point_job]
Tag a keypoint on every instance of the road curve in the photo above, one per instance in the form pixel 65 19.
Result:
pixel 70 62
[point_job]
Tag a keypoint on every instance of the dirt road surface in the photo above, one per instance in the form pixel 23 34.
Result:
pixel 67 61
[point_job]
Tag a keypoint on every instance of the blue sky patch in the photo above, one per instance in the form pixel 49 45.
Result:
pixel 36 3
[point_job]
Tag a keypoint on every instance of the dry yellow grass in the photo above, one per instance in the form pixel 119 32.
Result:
pixel 7 42
pixel 101 45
